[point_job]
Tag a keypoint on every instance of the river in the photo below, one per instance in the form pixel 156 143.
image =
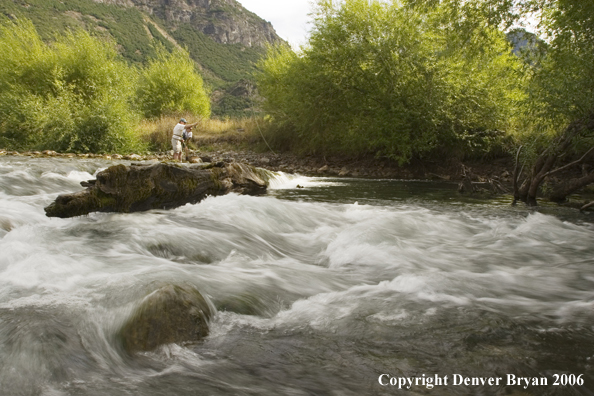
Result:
pixel 320 290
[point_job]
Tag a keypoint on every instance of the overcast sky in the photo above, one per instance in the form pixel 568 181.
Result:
pixel 288 17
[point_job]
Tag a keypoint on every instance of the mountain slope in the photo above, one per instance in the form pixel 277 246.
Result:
pixel 225 21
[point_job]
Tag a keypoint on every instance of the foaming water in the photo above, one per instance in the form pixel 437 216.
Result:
pixel 287 181
pixel 319 288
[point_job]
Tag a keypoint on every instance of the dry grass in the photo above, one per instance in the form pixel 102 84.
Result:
pixel 157 133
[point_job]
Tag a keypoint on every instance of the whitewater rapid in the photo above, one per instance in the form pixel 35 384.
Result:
pixel 319 290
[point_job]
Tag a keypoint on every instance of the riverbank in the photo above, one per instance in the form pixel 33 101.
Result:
pixel 499 169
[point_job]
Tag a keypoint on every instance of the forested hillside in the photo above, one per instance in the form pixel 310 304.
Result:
pixel 223 38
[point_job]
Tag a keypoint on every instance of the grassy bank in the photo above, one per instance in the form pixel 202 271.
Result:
pixel 238 133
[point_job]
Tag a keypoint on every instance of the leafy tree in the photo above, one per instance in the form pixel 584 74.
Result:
pixel 391 79
pixel 170 84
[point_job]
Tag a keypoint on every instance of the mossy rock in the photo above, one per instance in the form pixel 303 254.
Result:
pixel 171 314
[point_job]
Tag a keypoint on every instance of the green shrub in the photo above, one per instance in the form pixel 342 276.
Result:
pixel 170 84
pixel 71 95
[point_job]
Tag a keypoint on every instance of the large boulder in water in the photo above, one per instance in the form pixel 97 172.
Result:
pixel 171 314
pixel 134 188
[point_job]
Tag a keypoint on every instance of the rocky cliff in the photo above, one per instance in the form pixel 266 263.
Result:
pixel 225 21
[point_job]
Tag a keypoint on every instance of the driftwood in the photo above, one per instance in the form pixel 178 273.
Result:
pixel 140 187
pixel 468 185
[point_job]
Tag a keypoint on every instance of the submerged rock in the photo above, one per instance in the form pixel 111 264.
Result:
pixel 172 314
pixel 140 187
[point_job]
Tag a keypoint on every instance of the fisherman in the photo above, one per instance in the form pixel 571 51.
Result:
pixel 178 138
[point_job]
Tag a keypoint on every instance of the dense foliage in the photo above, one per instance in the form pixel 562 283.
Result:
pixel 169 84
pixel 77 94
pixel 393 80
pixel 561 75
pixel 401 79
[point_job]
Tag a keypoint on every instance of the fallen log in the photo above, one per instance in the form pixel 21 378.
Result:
pixel 139 187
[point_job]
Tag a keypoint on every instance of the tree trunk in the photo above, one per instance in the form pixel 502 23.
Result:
pixel 561 191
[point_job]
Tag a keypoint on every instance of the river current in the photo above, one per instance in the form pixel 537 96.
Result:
pixel 319 290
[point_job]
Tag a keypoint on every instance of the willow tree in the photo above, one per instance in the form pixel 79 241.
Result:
pixel 393 79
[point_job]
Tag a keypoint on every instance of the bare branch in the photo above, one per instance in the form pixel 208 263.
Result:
pixel 569 165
